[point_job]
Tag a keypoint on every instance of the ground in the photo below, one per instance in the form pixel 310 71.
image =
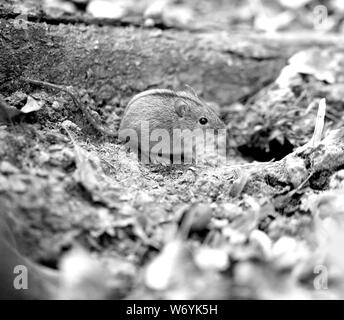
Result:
pixel 234 229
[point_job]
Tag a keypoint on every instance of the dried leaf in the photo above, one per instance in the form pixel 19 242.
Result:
pixel 32 105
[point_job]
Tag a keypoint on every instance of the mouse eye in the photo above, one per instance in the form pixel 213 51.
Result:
pixel 203 120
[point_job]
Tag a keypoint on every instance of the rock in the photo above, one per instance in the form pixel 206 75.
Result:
pixel 4 185
pixel 262 240
pixel 337 180
pixel 17 185
pixel 107 9
pixel 69 125
pixel 159 178
pixel 330 204
pixel 287 252
pixel 296 168
pixel 212 259
pixel 8 168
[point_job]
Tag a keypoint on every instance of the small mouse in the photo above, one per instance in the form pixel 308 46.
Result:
pixel 164 110
pixel 155 114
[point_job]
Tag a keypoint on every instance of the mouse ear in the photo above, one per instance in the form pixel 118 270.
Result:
pixel 191 90
pixel 181 108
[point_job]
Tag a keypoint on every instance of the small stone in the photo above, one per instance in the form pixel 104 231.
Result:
pixel 55 147
pixel 156 33
pixel 159 177
pixel 3 183
pixel 287 252
pixel 43 157
pixel 56 159
pixel 337 180
pixel 144 197
pixel 55 105
pixel 8 168
pixel 55 137
pixel 41 173
pixel 68 154
pixel 262 240
pixel 284 245
pixel 212 259
pixel 296 169
pixel 149 23
pixel 330 204
pixel 189 177
pixel 17 185
pixel 69 125
pixel 108 108
pixel 235 237
pixel 59 175
pixel 127 210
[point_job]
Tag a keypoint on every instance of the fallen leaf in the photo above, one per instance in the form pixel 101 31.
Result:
pixel 32 105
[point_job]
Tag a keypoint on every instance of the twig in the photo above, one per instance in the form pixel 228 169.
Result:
pixel 318 130
pixel 319 123
pixel 292 192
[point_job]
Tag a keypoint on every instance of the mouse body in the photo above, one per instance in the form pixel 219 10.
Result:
pixel 157 123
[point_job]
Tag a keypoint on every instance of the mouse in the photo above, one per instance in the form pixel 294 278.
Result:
pixel 163 113
pixel 177 117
